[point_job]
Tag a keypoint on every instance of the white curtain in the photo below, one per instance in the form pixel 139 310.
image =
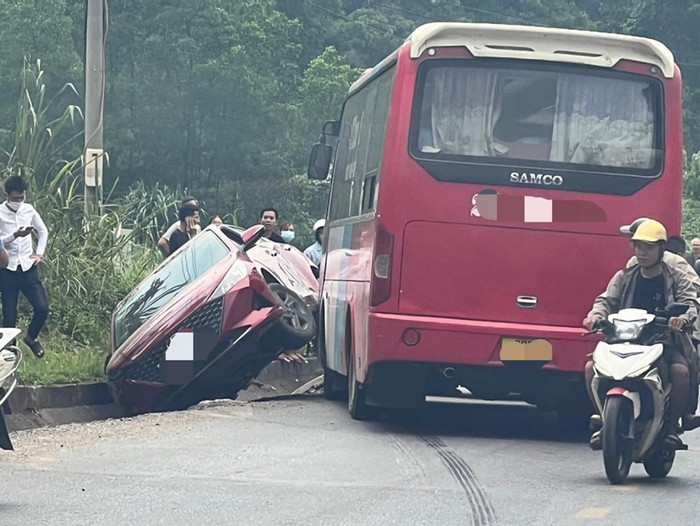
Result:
pixel 606 122
pixel 466 103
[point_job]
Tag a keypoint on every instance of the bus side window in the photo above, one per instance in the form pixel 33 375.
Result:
pixel 368 192
pixel 376 143
pixel 360 148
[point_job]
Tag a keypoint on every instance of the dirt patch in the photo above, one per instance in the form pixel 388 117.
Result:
pixel 48 444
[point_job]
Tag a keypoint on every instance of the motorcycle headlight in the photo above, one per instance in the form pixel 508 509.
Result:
pixel 628 330
pixel 640 372
pixel 601 370
pixel 236 273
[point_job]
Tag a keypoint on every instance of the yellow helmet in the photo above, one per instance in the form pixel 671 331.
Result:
pixel 650 231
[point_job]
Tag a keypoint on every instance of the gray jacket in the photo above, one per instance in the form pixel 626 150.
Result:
pixel 620 292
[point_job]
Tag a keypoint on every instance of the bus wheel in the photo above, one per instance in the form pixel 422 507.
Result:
pixel 356 396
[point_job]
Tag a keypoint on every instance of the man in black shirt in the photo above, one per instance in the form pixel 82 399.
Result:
pixel 649 293
pixel 186 230
pixel 268 219
pixel 649 284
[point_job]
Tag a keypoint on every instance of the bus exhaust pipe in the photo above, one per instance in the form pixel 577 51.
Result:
pixel 449 373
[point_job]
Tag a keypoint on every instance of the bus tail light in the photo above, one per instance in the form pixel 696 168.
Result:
pixel 381 266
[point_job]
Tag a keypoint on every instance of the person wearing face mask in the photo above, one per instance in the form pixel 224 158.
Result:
pixel 287 231
pixel 18 219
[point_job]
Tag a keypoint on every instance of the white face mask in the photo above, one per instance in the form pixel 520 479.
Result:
pixel 14 205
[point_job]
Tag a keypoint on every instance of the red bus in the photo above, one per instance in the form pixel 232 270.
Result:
pixel 480 176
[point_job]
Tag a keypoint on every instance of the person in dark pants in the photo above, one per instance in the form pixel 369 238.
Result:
pixel 18 220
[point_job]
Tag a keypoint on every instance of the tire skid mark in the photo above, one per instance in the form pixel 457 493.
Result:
pixel 413 467
pixel 483 513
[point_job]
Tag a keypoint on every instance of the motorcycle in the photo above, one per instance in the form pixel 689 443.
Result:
pixel 631 391
pixel 10 358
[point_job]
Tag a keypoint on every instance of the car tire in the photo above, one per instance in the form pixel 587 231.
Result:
pixel 296 327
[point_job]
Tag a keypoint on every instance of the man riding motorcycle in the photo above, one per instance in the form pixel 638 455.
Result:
pixel 649 284
pixel 671 259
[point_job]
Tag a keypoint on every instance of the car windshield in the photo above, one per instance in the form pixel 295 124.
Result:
pixel 557 114
pixel 198 256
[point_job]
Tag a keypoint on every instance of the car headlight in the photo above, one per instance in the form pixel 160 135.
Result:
pixel 237 273
pixel 628 330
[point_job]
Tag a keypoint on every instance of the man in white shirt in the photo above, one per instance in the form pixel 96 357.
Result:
pixel 18 220
pixel 192 223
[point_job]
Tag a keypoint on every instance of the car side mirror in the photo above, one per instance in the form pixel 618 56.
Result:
pixel 251 236
pixel 232 233
pixel 319 161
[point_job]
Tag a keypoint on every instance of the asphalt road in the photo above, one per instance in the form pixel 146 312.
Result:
pixel 304 461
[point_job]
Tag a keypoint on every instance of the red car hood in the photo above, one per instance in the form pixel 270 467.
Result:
pixel 171 314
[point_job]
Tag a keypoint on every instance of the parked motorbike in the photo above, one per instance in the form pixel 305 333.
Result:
pixel 631 390
pixel 10 358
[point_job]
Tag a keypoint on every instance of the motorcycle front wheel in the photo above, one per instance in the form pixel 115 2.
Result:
pixel 618 419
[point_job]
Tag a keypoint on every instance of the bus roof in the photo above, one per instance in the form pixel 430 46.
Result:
pixel 542 43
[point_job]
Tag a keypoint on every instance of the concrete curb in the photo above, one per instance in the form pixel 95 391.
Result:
pixel 32 407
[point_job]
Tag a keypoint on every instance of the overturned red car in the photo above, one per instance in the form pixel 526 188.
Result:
pixel 209 318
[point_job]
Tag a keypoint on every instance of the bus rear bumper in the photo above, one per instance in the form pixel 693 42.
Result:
pixel 411 357
pixel 467 342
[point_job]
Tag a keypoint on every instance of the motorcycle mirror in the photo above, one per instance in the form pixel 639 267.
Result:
pixel 251 236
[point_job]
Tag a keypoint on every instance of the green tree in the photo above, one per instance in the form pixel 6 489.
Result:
pixel 203 92
pixel 35 30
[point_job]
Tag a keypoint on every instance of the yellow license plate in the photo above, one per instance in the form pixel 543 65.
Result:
pixel 521 349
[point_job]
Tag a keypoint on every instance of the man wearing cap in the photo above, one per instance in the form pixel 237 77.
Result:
pixel 672 260
pixel 681 264
pixel 650 284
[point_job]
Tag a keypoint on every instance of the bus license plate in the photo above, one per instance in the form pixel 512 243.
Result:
pixel 521 349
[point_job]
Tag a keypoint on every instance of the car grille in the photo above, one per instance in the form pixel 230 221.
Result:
pixel 147 369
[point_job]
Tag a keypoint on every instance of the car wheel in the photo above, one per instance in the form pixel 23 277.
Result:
pixel 296 327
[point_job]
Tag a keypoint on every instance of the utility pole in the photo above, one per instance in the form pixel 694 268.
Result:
pixel 93 154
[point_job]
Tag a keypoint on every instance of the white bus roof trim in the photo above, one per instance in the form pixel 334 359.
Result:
pixel 542 43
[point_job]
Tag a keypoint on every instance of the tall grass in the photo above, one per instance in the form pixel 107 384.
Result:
pixel 88 266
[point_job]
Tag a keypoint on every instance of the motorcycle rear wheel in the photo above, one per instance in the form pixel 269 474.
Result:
pixel 659 464
pixel 617 449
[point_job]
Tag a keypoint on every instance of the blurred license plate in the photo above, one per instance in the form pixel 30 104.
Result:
pixel 522 349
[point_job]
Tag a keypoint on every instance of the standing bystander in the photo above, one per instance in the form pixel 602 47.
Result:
pixel 18 219
pixel 313 252
pixel 268 219
pixel 189 216
pixel 164 241
pixel 287 231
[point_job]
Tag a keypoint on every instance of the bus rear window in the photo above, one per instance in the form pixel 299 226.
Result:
pixel 553 114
